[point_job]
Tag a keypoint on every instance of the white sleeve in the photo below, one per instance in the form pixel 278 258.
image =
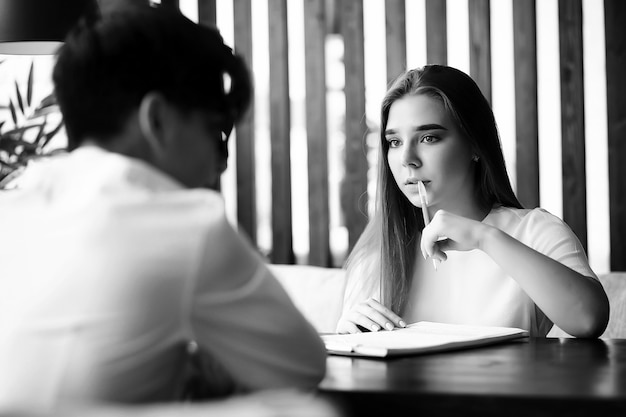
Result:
pixel 243 318
pixel 549 235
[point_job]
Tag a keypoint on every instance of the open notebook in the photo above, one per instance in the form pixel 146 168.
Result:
pixel 417 338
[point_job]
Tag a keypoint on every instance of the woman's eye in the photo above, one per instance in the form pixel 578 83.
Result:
pixel 429 139
pixel 393 143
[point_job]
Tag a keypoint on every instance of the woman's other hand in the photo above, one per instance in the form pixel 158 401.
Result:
pixel 369 315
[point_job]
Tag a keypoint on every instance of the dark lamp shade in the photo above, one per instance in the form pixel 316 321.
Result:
pixel 38 27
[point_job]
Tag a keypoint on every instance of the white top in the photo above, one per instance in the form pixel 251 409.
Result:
pixel 109 268
pixel 470 288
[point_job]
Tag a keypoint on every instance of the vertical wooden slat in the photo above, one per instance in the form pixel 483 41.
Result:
pixel 317 138
pixel 480 44
pixel 395 23
pixel 436 32
pixel 354 186
pixel 207 13
pixel 614 18
pixel 170 3
pixel 572 117
pixel 246 166
pixel 526 110
pixel 280 127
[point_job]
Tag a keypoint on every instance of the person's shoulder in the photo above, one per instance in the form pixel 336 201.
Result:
pixel 202 205
pixel 522 213
pixel 512 217
pixel 541 215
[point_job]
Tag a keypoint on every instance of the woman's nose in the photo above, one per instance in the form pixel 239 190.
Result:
pixel 410 158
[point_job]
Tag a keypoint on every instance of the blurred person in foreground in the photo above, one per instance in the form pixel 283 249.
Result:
pixel 115 258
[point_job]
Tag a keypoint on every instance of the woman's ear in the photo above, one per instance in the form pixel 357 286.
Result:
pixel 152 120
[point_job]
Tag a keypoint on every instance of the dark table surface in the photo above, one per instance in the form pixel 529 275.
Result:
pixel 531 377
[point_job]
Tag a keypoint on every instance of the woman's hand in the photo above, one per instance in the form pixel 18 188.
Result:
pixel 370 315
pixel 448 231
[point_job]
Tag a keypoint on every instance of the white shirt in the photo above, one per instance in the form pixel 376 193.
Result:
pixel 109 268
pixel 470 288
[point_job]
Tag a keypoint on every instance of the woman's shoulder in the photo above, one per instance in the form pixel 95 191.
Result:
pixel 507 217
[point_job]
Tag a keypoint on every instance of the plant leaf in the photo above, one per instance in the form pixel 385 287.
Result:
pixel 18 131
pixel 51 134
pixel 41 132
pixel 46 106
pixel 29 89
pixel 9 144
pixel 20 102
pixel 13 114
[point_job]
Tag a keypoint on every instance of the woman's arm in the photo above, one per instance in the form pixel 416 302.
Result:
pixel 574 302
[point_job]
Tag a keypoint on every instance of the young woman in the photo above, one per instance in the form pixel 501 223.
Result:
pixel 483 259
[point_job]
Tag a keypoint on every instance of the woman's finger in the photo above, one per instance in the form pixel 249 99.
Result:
pixel 391 319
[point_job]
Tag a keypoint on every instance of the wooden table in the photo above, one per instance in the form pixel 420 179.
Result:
pixel 533 377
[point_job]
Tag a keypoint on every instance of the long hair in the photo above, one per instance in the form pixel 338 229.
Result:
pixel 392 235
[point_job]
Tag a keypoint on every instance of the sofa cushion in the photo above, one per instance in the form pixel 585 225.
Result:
pixel 316 291
pixel 614 284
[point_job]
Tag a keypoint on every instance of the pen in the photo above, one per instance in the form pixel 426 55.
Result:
pixel 424 200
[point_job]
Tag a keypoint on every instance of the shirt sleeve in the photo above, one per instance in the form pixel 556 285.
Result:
pixel 241 316
pixel 549 235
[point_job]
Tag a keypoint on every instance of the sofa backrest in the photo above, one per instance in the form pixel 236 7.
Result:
pixel 614 284
pixel 318 293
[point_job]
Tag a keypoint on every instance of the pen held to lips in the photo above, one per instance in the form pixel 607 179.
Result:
pixel 421 189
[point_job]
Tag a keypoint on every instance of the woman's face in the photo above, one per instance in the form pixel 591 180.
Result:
pixel 426 145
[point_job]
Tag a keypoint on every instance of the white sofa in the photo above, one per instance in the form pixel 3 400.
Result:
pixel 318 293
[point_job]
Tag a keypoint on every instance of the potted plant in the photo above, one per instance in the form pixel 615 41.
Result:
pixel 27 132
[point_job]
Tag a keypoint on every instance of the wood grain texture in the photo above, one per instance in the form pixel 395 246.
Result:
pixel 538 377
pixel 280 131
pixel 316 127
pixel 207 13
pixel 480 44
pixel 572 117
pixel 395 25
pixel 245 145
pixel 615 16
pixel 354 185
pixel 526 106
pixel 436 32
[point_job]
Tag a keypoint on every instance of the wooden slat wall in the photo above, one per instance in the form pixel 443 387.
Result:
pixel 317 138
pixel 395 25
pixel 207 13
pixel 480 44
pixel 246 155
pixel 526 109
pixel 436 32
pixel 572 117
pixel 174 4
pixel 354 186
pixel 614 17
pixel 280 134
pixel 347 16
